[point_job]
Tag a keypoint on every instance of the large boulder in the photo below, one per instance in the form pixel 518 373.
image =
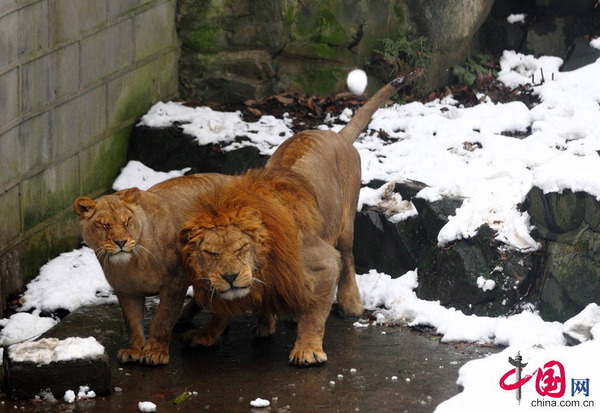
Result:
pixel 551 27
pixel 568 223
pixel 478 275
pixel 238 50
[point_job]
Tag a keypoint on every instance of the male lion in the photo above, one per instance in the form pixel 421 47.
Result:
pixel 278 240
pixel 134 235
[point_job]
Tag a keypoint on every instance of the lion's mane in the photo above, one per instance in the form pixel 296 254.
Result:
pixel 276 208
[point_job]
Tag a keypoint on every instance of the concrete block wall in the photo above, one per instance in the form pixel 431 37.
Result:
pixel 74 76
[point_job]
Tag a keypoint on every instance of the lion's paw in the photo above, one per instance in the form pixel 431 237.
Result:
pixel 129 355
pixel 198 338
pixel 307 356
pixel 155 354
pixel 352 308
pixel 350 304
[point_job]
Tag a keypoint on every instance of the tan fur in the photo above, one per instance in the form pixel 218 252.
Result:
pixel 134 235
pixel 253 246
pixel 277 241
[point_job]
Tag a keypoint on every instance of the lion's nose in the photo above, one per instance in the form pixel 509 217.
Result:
pixel 229 277
pixel 121 243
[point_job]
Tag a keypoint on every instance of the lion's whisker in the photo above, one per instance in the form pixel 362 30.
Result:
pixel 140 251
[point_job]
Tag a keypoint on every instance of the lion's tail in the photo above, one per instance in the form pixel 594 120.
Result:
pixel 363 116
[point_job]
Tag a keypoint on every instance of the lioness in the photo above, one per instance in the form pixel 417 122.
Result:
pixel 134 235
pixel 278 240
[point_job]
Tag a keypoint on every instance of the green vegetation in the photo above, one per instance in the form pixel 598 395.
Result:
pixel 400 55
pixel 474 69
pixel 403 53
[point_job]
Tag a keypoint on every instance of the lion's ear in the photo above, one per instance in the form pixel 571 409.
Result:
pixel 131 195
pixel 84 207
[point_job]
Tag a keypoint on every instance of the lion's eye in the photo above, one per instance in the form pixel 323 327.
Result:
pixel 211 253
pixel 126 223
pixel 103 226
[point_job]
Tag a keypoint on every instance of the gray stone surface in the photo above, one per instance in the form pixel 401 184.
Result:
pixel 75 129
pixel 9 143
pixel 33 28
pixel 74 76
pixel 34 141
pixel 162 36
pixel 44 193
pixel 9 96
pixel 8 39
pixel 310 46
pixel 107 51
pixel 552 27
pixel 569 277
pixel 9 211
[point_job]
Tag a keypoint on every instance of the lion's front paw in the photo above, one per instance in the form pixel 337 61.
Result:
pixel 304 356
pixel 154 354
pixel 350 303
pixel 352 308
pixel 129 355
pixel 199 338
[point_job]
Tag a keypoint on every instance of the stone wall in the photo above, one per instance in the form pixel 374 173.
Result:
pixel 74 75
pixel 234 50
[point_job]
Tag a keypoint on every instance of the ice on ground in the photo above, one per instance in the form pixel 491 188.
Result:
pixel 49 350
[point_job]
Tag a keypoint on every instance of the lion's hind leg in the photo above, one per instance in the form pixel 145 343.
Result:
pixel 348 295
pixel 208 335
pixel 322 264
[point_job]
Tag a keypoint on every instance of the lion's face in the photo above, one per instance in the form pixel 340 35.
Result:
pixel 110 225
pixel 227 258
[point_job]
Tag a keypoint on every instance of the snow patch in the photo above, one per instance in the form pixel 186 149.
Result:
pixel 146 407
pixel 49 350
pixel 516 18
pixel 136 174
pixel 485 284
pixel 260 403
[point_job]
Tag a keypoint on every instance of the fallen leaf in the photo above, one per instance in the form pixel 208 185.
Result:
pixel 181 398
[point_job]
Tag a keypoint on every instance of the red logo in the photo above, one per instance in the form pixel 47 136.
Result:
pixel 550 379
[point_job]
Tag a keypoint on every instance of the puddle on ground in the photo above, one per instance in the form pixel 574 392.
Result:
pixel 376 368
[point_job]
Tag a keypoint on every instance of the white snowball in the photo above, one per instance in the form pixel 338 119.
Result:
pixel 357 81
pixel 146 407
pixel 69 396
pixel 260 403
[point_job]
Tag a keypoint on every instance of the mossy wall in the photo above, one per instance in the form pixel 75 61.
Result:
pixel 309 46
pixel 74 76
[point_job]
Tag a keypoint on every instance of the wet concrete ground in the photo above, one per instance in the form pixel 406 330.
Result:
pixel 373 369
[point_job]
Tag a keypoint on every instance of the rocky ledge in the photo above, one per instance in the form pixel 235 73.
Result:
pixel 478 275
